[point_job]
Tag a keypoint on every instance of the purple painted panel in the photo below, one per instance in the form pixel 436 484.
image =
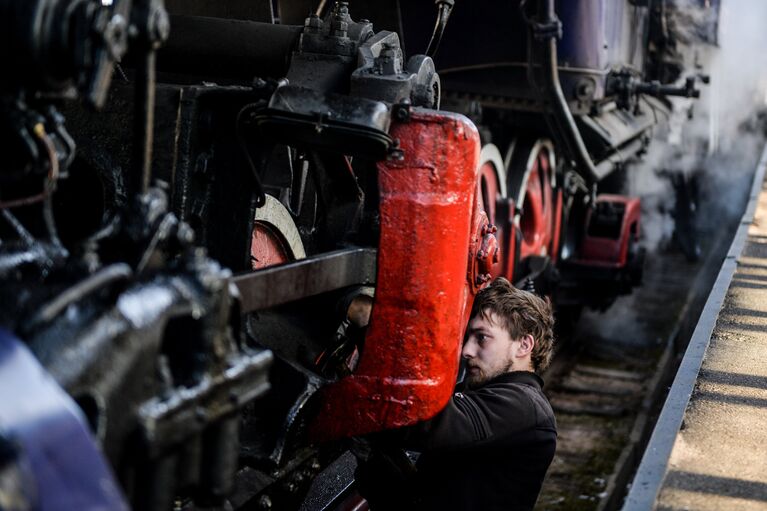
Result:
pixel 56 446
pixel 583 37
pixel 599 34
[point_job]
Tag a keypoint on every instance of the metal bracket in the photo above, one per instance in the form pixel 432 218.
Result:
pixel 542 31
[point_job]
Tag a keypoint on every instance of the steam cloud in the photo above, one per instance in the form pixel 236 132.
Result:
pixel 717 149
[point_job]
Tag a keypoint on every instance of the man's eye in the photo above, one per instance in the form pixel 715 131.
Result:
pixel 481 338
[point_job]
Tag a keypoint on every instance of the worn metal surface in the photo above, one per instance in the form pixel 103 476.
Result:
pixel 312 276
pixel 326 121
pixel 410 357
pixel 383 74
pixel 343 81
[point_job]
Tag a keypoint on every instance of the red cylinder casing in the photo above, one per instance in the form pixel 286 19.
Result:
pixel 410 359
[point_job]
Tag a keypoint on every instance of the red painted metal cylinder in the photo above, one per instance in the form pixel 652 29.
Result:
pixel 410 358
pixel 612 250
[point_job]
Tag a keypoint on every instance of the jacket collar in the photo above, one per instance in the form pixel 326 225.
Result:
pixel 526 377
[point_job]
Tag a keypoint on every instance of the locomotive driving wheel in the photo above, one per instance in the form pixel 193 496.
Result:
pixel 491 186
pixel 531 183
pixel 492 180
pixel 275 238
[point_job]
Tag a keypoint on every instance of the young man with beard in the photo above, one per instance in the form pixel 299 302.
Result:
pixel 490 447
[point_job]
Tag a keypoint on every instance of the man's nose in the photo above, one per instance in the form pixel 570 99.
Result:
pixel 468 350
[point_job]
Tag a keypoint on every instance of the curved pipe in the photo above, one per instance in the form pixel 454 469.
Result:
pixel 107 275
pixel 568 131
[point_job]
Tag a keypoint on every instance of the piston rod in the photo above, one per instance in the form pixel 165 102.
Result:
pixel 277 285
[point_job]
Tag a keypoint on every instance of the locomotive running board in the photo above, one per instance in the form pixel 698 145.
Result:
pixel 284 283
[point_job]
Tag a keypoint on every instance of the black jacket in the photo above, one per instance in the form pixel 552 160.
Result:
pixel 489 449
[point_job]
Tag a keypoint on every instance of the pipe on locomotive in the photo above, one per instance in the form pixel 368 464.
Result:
pixel 546 30
pixel 227 48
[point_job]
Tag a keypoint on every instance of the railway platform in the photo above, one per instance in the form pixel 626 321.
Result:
pixel 707 451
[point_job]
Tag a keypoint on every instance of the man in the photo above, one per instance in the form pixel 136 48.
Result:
pixel 490 447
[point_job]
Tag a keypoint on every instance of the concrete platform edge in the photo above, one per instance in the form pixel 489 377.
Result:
pixel 652 469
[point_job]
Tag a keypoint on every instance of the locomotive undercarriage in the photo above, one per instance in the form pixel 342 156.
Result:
pixel 343 183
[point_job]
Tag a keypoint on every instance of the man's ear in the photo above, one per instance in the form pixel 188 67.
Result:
pixel 526 345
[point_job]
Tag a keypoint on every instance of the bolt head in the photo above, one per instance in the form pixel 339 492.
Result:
pixel 265 502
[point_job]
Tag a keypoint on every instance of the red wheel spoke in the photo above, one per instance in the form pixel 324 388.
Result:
pixel 488 190
pixel 536 221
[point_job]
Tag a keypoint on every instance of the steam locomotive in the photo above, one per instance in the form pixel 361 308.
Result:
pixel 197 195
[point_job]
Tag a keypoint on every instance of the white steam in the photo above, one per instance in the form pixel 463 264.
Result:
pixel 718 148
pixel 715 146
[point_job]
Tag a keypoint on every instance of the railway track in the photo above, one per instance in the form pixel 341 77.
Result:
pixel 609 382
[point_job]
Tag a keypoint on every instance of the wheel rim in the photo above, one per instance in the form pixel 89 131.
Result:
pixel 492 180
pixel 535 200
pixel 488 190
pixel 534 220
